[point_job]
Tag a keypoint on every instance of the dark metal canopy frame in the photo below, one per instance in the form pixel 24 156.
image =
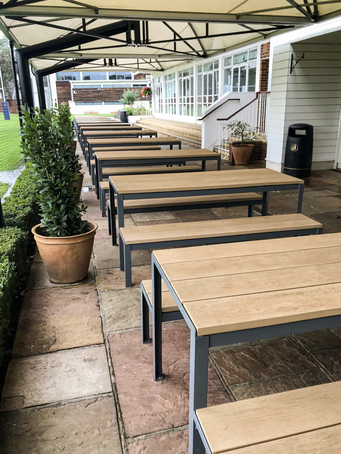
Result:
pixel 70 49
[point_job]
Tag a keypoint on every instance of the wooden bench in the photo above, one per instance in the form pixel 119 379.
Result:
pixel 210 232
pixel 92 168
pixel 303 421
pixel 112 171
pixel 183 203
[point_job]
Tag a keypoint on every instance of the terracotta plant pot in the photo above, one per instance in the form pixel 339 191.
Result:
pixel 79 183
pixel 242 153
pixel 66 258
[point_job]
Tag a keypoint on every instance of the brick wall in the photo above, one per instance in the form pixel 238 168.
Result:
pixel 104 94
pixel 12 105
pixel 264 67
pixel 63 91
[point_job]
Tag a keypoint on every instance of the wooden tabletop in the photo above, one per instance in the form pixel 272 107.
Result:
pixel 245 285
pixel 90 128
pixel 225 179
pixel 155 154
pixel 136 141
pixel 125 132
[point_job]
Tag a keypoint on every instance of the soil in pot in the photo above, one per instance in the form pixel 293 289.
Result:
pixel 242 153
pixel 66 258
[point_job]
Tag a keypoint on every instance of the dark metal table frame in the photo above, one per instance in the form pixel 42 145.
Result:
pixel 82 137
pixel 89 153
pixel 151 161
pixel 90 148
pixel 199 349
pixel 265 189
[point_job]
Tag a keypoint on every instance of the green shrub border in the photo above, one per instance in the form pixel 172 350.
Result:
pixel 21 213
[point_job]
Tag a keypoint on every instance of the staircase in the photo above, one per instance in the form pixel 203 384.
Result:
pixel 188 132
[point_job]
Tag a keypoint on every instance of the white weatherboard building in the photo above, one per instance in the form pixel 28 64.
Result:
pixel 304 81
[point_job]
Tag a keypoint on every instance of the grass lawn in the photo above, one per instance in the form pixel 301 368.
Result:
pixel 10 151
pixel 3 189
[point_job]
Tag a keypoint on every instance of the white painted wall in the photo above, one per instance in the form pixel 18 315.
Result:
pixel 311 94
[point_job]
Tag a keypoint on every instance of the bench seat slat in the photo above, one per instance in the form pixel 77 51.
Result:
pixel 168 304
pixel 108 171
pixel 250 422
pixel 171 201
pixel 216 228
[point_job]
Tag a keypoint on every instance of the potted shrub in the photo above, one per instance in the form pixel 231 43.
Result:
pixel 63 238
pixel 128 98
pixel 242 138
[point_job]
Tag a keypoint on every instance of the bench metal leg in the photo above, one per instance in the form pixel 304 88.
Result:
pixel 265 203
pixel 92 173
pixel 121 252
pixel 300 198
pixel 127 264
pixel 250 211
pixel 102 201
pixel 198 381
pixel 109 221
pixel 157 324
pixel 144 318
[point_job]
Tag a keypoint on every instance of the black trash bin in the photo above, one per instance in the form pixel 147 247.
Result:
pixel 299 150
pixel 124 116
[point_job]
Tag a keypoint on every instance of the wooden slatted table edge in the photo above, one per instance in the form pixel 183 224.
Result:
pixel 247 311
pixel 247 248
pixel 111 171
pixel 118 133
pixel 141 154
pixel 159 140
pixel 168 304
pixel 250 422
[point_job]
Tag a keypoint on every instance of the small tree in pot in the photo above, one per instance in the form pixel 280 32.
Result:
pixel 242 138
pixel 63 238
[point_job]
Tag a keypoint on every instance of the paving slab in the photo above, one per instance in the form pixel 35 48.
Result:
pixel 121 309
pixel 263 360
pixel 157 216
pixel 113 279
pixel 149 406
pixel 167 443
pixel 331 360
pixel 320 340
pixel 274 385
pixel 84 427
pixel 54 377
pixel 232 212
pixel 57 319
pixel 196 215
pixel 107 255
pixel 39 278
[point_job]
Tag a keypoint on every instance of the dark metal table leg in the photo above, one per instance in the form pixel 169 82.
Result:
pixel 265 203
pixel 157 323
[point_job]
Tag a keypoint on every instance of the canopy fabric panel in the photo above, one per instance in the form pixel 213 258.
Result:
pixel 162 35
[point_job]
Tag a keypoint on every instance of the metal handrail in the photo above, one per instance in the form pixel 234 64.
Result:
pixel 218 107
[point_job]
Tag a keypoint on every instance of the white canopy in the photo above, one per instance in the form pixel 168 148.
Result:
pixel 164 36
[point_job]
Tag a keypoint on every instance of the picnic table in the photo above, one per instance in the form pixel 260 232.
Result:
pixel 127 141
pixel 197 184
pixel 242 292
pixel 152 157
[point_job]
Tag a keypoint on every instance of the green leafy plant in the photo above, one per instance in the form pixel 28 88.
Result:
pixel 47 144
pixel 129 97
pixel 129 111
pixel 241 132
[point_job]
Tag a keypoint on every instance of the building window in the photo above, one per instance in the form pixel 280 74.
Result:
pixel 68 76
pixel 119 75
pixel 78 87
pixel 208 85
pixel 240 72
pixel 157 95
pixel 170 94
pixel 100 75
pixel 186 92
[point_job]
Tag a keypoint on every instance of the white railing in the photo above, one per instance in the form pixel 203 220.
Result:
pixel 254 113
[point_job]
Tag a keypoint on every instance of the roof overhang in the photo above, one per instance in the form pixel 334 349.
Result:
pixel 154 38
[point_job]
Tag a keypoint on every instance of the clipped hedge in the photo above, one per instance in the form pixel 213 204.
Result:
pixel 8 282
pixel 20 211
pixel 20 208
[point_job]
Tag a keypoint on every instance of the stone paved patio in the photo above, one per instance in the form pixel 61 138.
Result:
pixel 80 380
